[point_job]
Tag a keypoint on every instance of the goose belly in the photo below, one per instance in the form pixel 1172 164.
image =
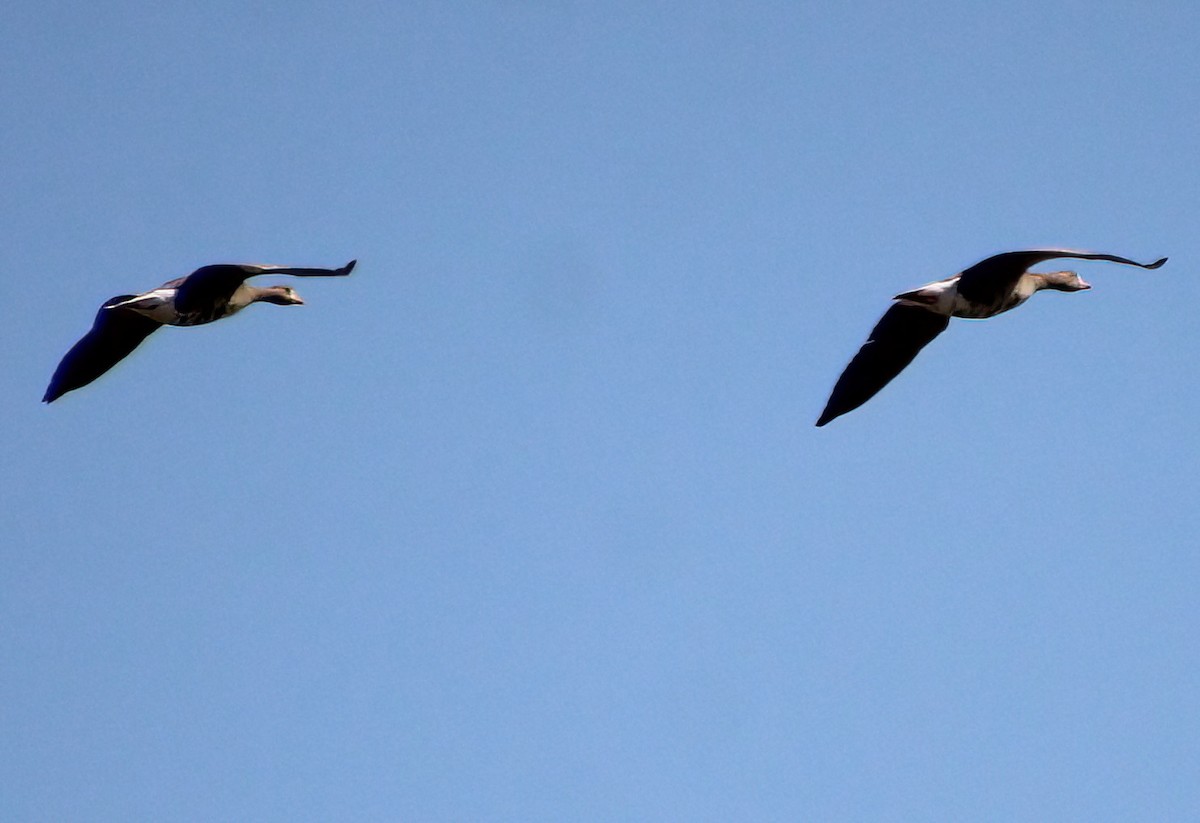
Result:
pixel 971 309
pixel 159 305
pixel 199 317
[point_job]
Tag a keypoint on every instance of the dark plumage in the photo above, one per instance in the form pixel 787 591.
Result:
pixel 115 333
pixel 207 294
pixel 991 286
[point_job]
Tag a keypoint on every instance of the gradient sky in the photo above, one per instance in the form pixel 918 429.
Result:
pixel 528 519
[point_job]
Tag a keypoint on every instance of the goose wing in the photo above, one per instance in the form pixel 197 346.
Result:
pixel 296 271
pixel 115 333
pixel 902 332
pixel 989 280
pixel 211 286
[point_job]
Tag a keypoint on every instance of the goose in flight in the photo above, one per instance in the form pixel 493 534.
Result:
pixel 991 286
pixel 207 294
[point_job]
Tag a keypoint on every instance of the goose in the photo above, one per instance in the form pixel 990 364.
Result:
pixel 991 286
pixel 209 293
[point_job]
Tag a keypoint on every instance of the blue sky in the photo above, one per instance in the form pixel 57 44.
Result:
pixel 528 519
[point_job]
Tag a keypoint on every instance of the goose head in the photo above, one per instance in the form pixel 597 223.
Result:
pixel 279 295
pixel 1063 281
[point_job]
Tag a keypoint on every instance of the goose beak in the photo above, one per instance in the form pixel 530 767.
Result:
pixel 1084 285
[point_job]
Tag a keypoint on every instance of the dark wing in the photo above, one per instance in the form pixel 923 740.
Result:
pixel 902 332
pixel 211 286
pixel 302 272
pixel 989 280
pixel 114 334
pixel 208 287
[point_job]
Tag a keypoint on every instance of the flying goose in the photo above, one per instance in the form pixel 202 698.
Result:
pixel 207 294
pixel 991 286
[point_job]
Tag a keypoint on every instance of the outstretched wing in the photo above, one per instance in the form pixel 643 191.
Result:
pixel 296 271
pixel 989 280
pixel 902 332
pixel 115 333
pixel 210 286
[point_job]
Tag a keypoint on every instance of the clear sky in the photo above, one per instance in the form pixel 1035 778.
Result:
pixel 528 519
